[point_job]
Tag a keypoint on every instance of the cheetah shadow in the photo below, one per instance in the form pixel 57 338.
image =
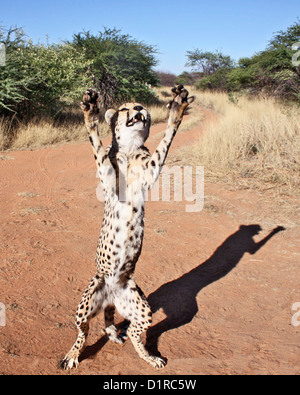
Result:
pixel 177 298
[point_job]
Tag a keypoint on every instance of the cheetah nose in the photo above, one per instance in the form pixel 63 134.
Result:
pixel 138 108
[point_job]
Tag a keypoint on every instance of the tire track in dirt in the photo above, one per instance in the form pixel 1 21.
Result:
pixel 51 181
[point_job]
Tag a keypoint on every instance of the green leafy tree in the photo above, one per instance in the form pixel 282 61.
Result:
pixel 122 67
pixel 212 66
pixel 38 79
pixel 61 74
pixel 189 78
pixel 13 83
pixel 286 38
pixel 271 70
pixel 208 62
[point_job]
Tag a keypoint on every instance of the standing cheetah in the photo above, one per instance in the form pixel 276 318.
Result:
pixel 127 170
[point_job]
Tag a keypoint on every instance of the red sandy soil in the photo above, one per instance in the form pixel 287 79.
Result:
pixel 221 291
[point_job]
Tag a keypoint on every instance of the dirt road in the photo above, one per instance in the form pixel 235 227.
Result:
pixel 221 282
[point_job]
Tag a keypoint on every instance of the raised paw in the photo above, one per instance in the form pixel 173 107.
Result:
pixel 180 95
pixel 90 101
pixel 178 105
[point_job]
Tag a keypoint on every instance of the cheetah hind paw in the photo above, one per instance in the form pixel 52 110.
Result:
pixel 156 362
pixel 68 363
pixel 111 332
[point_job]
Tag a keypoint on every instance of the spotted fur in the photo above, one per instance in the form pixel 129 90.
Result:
pixel 127 170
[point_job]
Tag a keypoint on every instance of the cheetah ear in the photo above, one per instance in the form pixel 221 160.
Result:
pixel 109 114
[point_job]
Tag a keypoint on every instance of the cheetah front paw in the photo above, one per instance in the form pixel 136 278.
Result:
pixel 90 106
pixel 90 101
pixel 179 104
pixel 180 95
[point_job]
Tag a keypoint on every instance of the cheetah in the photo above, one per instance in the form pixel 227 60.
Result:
pixel 127 170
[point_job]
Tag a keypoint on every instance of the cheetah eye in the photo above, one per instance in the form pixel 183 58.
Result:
pixel 124 109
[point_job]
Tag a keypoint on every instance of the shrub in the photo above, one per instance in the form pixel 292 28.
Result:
pixel 39 79
pixel 122 67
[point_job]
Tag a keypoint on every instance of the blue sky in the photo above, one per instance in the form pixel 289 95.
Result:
pixel 236 27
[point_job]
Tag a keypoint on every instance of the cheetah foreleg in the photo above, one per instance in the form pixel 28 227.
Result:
pixel 177 109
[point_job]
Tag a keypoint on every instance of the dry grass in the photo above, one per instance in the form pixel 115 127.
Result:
pixel 5 130
pixel 43 132
pixel 256 143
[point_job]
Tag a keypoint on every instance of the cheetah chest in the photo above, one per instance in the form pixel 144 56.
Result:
pixel 120 238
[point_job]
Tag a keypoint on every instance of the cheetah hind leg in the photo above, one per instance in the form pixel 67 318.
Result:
pixel 134 332
pixel 138 311
pixel 89 306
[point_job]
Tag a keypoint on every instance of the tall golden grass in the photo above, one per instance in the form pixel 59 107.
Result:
pixel 255 142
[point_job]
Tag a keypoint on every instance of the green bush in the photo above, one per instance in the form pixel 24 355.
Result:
pixel 122 67
pixel 40 79
pixel 271 71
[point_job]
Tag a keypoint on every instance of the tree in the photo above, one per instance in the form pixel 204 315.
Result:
pixel 286 38
pixel 122 67
pixel 166 79
pixel 189 78
pixel 39 79
pixel 208 62
pixel 271 70
pixel 13 83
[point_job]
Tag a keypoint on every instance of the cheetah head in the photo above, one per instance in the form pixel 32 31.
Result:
pixel 130 126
